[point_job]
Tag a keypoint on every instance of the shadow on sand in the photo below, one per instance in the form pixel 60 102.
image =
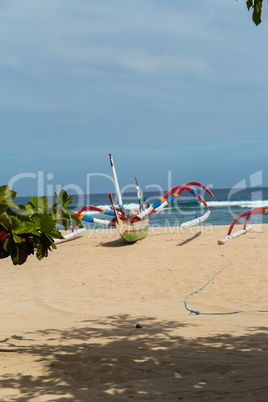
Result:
pixel 112 360
pixel 190 239
pixel 116 243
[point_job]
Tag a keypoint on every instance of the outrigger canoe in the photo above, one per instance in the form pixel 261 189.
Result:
pixel 134 225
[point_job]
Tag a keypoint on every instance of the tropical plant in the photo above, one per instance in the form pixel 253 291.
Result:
pixel 31 228
pixel 256 7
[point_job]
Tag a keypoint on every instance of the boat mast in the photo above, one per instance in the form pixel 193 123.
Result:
pixel 116 181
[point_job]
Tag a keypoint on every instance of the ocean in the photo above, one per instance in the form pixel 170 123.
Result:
pixel 227 205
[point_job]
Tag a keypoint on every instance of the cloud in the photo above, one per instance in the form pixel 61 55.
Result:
pixel 155 75
pixel 140 37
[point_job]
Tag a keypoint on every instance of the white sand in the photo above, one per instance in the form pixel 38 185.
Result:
pixel 68 323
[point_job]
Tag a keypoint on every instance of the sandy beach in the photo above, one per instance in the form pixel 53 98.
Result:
pixel 100 319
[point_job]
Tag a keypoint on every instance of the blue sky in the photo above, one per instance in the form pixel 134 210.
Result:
pixel 171 88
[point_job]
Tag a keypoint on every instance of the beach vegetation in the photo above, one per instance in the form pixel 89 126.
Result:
pixel 256 7
pixel 32 228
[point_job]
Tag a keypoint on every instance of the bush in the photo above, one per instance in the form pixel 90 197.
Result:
pixel 31 228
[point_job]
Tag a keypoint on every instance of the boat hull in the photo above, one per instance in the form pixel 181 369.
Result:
pixel 132 231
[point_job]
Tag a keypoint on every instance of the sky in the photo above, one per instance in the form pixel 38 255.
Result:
pixel 175 90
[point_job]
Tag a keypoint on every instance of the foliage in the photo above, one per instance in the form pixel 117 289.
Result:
pixel 30 228
pixel 256 6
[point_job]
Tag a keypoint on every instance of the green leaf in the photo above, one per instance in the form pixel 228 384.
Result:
pixel 14 251
pixel 63 199
pixel 34 202
pixel 75 218
pixel 46 224
pixel 256 16
pixel 249 4
pixel 39 252
pixel 65 218
pixel 3 207
pixel 44 246
pixel 56 234
pixel 53 245
pixel 12 207
pixel 53 209
pixel 24 252
pixel 6 243
pixel 64 221
pixel 26 227
pixel 17 239
pixel 5 222
pixel 25 215
pixel 6 194
pixel 30 207
pixel 3 253
pixel 15 223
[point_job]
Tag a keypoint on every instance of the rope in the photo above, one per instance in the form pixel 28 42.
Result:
pixel 229 313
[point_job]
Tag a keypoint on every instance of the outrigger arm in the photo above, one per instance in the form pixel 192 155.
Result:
pixel 246 228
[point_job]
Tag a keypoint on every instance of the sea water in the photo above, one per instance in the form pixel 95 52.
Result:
pixel 227 205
